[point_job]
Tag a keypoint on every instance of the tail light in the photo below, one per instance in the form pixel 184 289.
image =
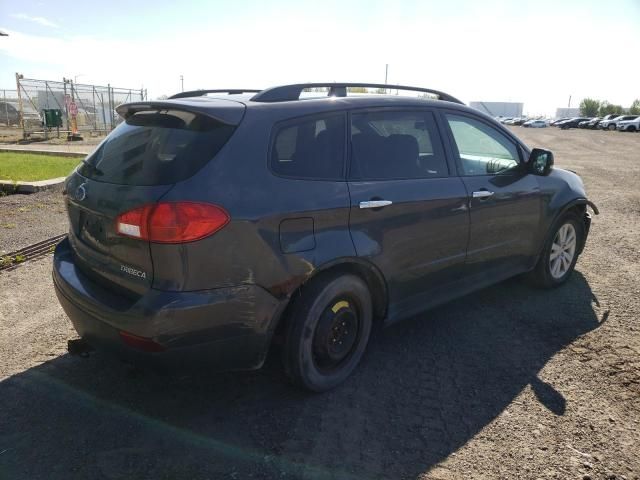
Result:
pixel 172 222
pixel 141 343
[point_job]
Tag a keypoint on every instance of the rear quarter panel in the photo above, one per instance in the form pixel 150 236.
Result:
pixel 248 250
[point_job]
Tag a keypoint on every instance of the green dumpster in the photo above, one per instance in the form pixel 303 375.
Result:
pixel 52 117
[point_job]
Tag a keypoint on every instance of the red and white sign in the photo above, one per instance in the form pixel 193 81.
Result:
pixel 73 109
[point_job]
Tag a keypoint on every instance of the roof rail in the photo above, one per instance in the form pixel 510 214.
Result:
pixel 292 92
pixel 201 93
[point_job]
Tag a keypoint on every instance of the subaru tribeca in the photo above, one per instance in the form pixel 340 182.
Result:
pixel 206 223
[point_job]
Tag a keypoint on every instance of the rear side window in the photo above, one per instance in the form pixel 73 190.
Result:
pixel 156 147
pixel 389 145
pixel 310 148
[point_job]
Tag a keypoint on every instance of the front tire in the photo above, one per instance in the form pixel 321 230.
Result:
pixel 327 331
pixel 560 253
pixel 612 127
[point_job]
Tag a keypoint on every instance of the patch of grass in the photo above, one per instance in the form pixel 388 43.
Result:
pixel 8 225
pixel 31 167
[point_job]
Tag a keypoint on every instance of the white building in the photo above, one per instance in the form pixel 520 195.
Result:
pixel 499 109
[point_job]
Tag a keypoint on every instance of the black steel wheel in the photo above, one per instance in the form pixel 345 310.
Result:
pixel 327 331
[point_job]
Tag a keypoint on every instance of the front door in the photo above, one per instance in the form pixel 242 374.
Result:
pixel 409 216
pixel 504 200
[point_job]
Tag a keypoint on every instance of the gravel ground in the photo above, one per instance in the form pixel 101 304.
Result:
pixel 509 382
pixel 27 219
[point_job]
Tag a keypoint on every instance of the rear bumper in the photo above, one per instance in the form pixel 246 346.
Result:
pixel 221 329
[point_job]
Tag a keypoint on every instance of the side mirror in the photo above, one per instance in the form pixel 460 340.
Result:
pixel 540 161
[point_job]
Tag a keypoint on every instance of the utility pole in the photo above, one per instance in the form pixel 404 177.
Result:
pixel 182 83
pixel 386 73
pixel 569 106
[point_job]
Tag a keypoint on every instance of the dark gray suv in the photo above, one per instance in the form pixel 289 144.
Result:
pixel 207 225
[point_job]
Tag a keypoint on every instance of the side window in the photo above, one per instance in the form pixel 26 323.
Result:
pixel 395 145
pixel 483 150
pixel 310 148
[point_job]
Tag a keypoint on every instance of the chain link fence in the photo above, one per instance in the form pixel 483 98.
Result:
pixel 45 107
pixel 9 110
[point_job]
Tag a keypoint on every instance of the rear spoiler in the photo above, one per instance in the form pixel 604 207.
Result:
pixel 224 111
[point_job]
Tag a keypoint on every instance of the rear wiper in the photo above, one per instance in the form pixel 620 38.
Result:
pixel 92 167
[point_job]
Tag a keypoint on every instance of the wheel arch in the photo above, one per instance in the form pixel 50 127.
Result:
pixel 365 270
pixel 579 207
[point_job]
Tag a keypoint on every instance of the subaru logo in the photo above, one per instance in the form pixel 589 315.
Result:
pixel 81 193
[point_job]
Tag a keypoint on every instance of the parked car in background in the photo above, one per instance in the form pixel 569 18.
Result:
pixel 571 123
pixel 504 120
pixel 612 124
pixel 555 122
pixel 629 125
pixel 535 124
pixel 585 123
pixel 519 121
pixel 175 254
pixel 10 115
pixel 593 123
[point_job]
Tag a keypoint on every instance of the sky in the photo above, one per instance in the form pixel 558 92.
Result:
pixel 538 52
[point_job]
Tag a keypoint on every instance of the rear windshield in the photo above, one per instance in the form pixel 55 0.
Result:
pixel 156 147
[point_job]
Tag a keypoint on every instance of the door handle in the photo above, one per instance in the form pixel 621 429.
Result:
pixel 482 194
pixel 375 203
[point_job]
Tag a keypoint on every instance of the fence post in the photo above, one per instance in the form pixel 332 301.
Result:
pixel 21 113
pixel 66 105
pixel 95 112
pixel 6 107
pixel 110 106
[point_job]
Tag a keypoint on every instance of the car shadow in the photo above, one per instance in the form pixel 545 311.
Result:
pixel 426 387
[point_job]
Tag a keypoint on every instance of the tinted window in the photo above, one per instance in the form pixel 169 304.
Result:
pixel 311 148
pixel 482 149
pixel 156 147
pixel 395 145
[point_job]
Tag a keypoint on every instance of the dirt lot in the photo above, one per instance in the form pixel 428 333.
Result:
pixel 13 136
pixel 509 382
pixel 27 219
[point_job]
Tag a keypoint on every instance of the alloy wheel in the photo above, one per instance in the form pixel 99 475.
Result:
pixel 563 250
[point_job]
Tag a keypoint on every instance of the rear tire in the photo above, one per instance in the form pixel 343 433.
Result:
pixel 560 253
pixel 327 331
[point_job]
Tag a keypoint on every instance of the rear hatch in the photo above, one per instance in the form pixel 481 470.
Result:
pixel 158 145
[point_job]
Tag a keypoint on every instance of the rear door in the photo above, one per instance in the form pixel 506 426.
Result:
pixel 505 201
pixel 409 216
pixel 134 166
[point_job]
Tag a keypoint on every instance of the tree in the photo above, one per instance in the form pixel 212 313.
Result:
pixel 162 97
pixel 589 107
pixel 607 108
pixel 635 107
